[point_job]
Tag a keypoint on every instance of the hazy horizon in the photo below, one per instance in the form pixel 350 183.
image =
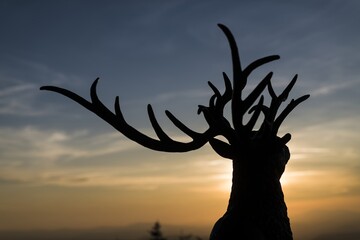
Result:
pixel 140 231
pixel 62 167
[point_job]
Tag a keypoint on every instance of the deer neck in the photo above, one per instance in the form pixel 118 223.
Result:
pixel 252 186
pixel 256 196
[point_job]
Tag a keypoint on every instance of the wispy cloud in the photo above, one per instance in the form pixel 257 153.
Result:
pixel 192 94
pixel 17 89
pixel 19 93
pixel 52 145
pixel 320 183
pixel 19 100
pixel 43 73
pixel 332 88
pixel 30 151
pixel 50 157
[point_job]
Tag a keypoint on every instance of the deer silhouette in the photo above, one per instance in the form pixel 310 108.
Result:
pixel 256 208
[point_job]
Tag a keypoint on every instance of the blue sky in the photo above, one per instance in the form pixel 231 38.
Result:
pixel 163 53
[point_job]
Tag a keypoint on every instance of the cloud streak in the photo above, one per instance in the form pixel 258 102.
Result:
pixel 71 159
pixel 27 152
pixel 19 100
pixel 333 88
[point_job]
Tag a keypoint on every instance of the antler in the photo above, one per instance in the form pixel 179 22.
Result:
pixel 239 106
pixel 214 113
pixel 117 120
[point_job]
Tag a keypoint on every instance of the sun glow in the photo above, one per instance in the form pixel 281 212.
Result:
pixel 225 178
pixel 295 177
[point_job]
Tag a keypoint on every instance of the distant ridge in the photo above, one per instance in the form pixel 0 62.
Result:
pixel 339 236
pixel 138 231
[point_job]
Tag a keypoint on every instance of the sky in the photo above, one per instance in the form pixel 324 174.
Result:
pixel 62 167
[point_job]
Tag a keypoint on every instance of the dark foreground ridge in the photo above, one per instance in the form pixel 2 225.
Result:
pixel 138 231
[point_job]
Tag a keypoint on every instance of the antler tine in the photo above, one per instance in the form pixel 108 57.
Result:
pixel 164 143
pixel 271 91
pixel 251 98
pixel 214 98
pixel 86 104
pixel 212 101
pixel 199 139
pixel 235 59
pixel 91 106
pixel 257 63
pixel 221 100
pixel 257 109
pixel 284 95
pixel 228 88
pixel 293 103
pixel 158 130
pixel 216 91
pixel 277 100
pixel 239 81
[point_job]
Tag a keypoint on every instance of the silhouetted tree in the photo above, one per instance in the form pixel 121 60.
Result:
pixel 256 208
pixel 156 233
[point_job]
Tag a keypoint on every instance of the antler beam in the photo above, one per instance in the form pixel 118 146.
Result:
pixel 117 120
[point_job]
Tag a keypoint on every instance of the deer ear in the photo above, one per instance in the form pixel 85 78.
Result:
pixel 286 138
pixel 222 148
